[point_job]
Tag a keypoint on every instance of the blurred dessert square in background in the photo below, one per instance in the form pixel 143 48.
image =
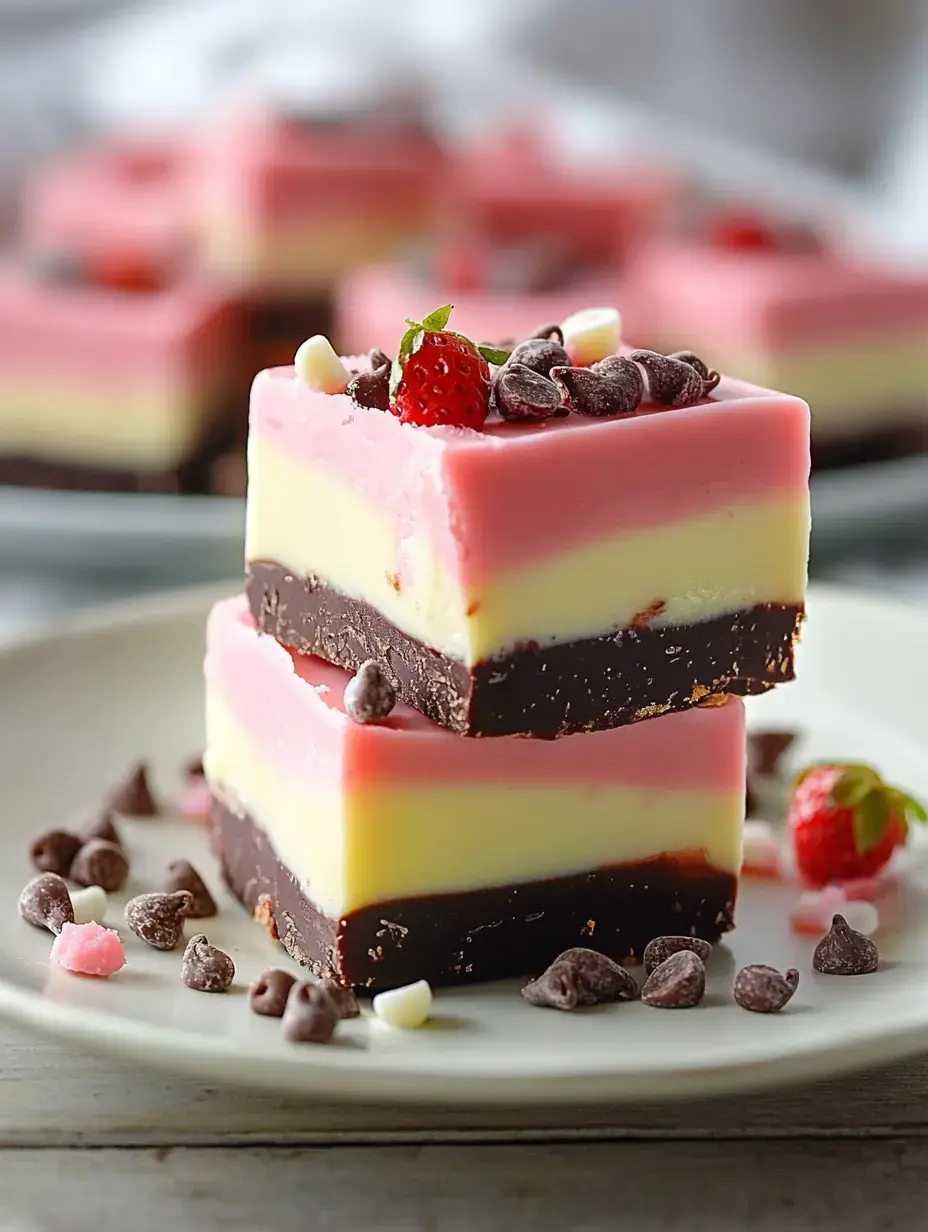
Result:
pixel 780 304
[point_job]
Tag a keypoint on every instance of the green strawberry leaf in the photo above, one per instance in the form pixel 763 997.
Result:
pixel 409 343
pixel 494 355
pixel 871 817
pixel 438 319
pixel 854 785
pixel 910 808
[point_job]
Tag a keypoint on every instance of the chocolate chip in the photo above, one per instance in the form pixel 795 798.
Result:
pixel 844 951
pixel 193 766
pixel 181 875
pixel 101 864
pixel 206 969
pixel 763 990
pixel 101 824
pixel 524 396
pixel 709 376
pixel 159 918
pixel 371 389
pixel 580 977
pixel 343 999
pixel 54 851
pixel 131 795
pixel 678 983
pixel 767 748
pixel 671 382
pixel 552 333
pixel 661 948
pixel 269 993
pixel 46 903
pixel 379 359
pixel 369 695
pixel 310 1016
pixel 611 387
pixel 539 354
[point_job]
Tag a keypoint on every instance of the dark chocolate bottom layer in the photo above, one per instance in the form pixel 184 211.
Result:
pixel 547 691
pixel 489 934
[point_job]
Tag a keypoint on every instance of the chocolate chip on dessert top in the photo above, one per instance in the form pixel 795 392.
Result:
pixel 674 381
pixel 522 395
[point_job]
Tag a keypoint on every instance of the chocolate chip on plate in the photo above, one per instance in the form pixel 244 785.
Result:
pixel 310 1016
pixel 844 951
pixel 131 795
pixel 661 948
pixel 343 999
pixel 611 387
pixel 678 983
pixel 45 902
pixel 101 823
pixel 159 918
pixel 369 695
pixel 672 382
pixel 102 864
pixel 206 969
pixel 766 750
pixel 269 993
pixel 54 851
pixel 524 396
pixel 539 354
pixel 181 875
pixel 764 990
pixel 580 977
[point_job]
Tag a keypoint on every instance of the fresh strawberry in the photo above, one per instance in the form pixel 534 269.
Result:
pixel 845 822
pixel 740 231
pixel 441 378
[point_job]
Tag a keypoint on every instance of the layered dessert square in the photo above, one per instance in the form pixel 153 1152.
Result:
pixel 383 853
pixel 847 335
pixel 113 389
pixel 288 205
pixel 535 577
pixel 124 210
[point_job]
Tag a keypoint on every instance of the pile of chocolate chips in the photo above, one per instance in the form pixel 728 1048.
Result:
pixel 538 382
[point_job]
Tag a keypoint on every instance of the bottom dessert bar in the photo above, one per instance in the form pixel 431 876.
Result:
pixel 617 678
pixel 489 934
pixel 396 850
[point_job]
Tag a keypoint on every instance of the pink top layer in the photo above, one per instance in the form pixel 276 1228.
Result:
pixel 128 198
pixel 111 337
pixel 372 305
pixel 291 707
pixel 770 299
pixel 518 188
pixel 267 170
pixel 513 494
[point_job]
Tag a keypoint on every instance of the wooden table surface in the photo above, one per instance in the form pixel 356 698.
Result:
pixel 87 1145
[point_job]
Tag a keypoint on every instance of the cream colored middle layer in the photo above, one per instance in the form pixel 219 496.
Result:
pixel 135 431
pixel 733 558
pixel 353 849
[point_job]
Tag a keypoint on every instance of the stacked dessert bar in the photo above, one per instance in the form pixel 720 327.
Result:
pixel 480 701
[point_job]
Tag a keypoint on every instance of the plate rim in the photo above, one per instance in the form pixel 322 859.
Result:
pixel 357 1076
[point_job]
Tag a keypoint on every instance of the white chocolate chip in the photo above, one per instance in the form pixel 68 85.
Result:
pixel 592 334
pixel 862 916
pixel 405 1007
pixel 89 905
pixel 319 368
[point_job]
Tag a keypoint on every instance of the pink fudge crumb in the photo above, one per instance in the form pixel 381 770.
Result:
pixel 88 949
pixel 196 803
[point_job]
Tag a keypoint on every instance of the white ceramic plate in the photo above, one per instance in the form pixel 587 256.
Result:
pixel 76 708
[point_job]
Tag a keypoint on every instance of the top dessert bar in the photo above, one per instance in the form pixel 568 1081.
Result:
pixel 583 572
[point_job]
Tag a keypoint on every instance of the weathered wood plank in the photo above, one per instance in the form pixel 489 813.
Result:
pixel 851 1186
